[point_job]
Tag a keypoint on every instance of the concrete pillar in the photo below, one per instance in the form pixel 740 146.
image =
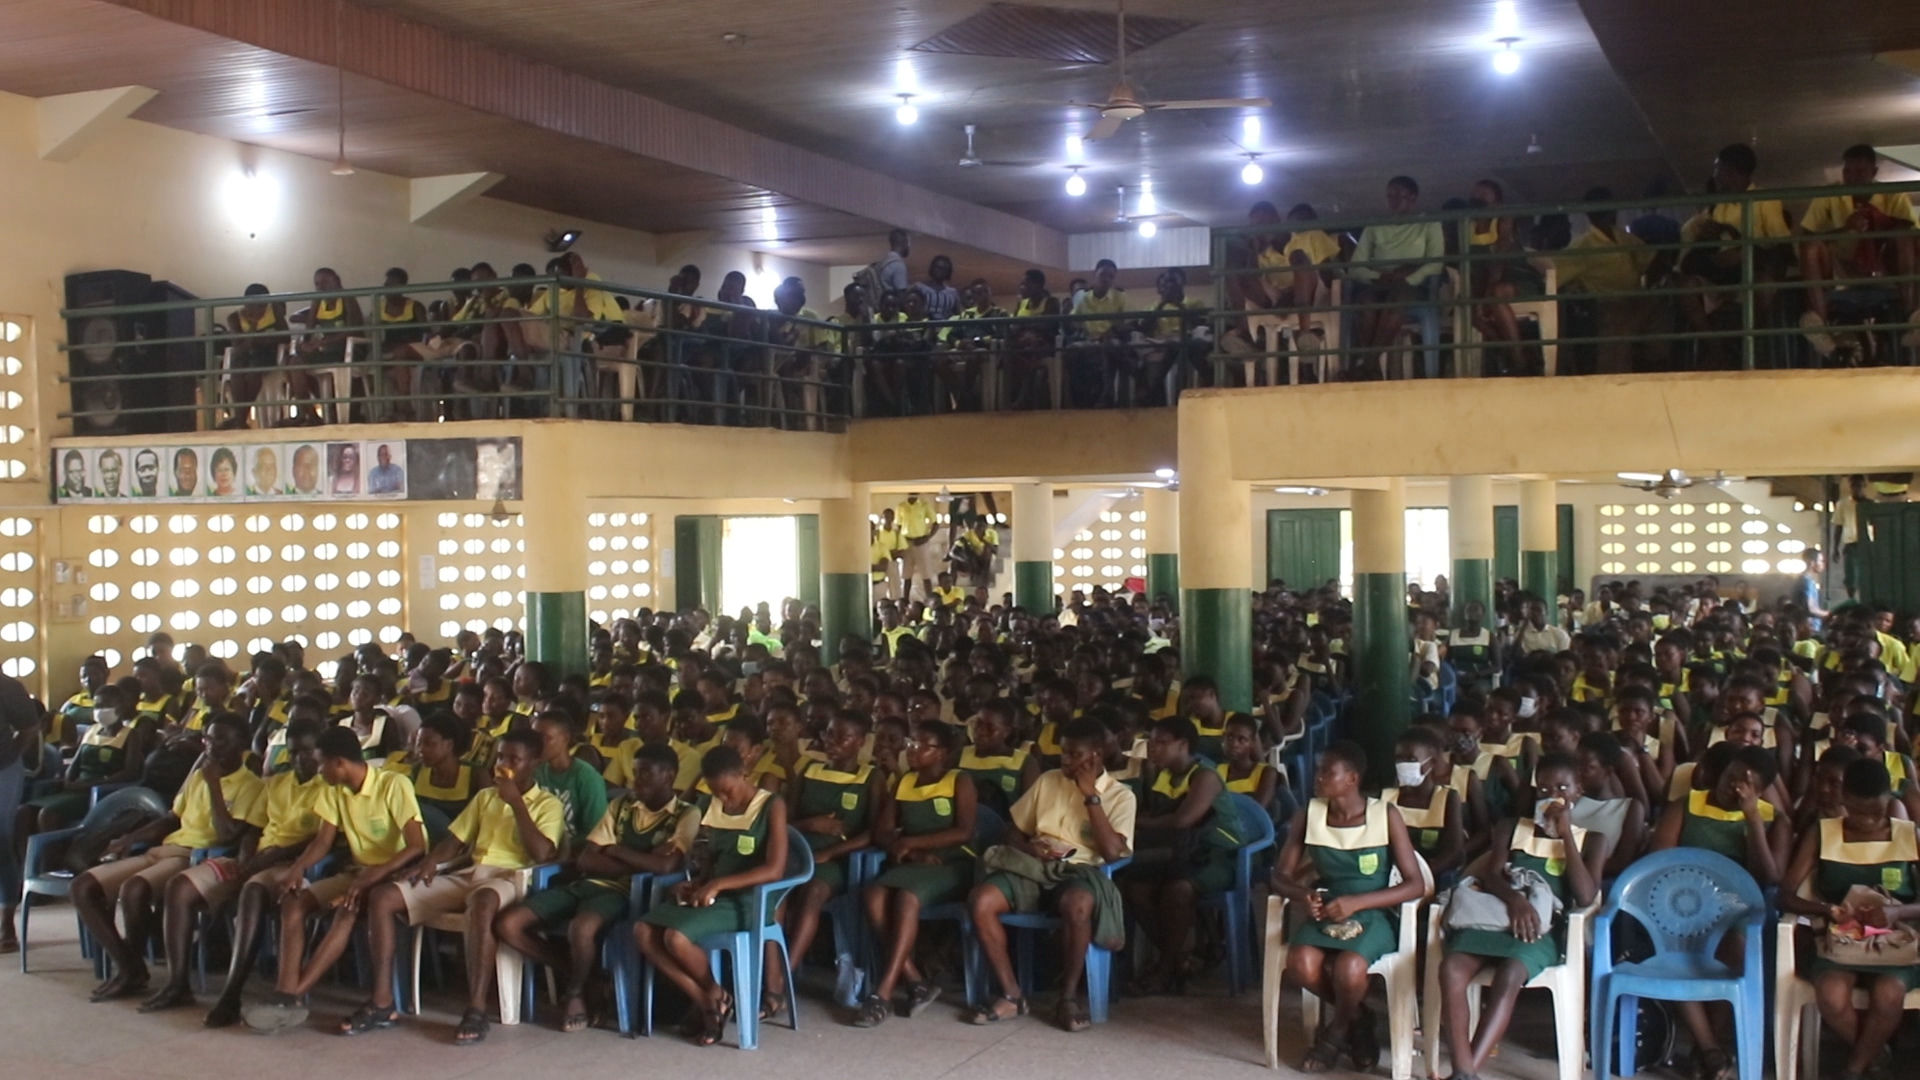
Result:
pixel 1216 551
pixel 1540 540
pixel 1163 543
pixel 846 603
pixel 1033 547
pixel 1470 535
pixel 554 524
pixel 1381 648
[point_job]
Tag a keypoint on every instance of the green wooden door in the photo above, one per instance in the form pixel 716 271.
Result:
pixel 1886 561
pixel 1303 547
pixel 1506 544
pixel 696 561
pixel 806 551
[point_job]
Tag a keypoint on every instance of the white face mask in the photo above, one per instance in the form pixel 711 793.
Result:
pixel 105 716
pixel 1527 706
pixel 1409 773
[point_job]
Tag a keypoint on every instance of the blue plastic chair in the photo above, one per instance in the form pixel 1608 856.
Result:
pixel 852 937
pixel 1687 899
pixel 988 828
pixel 620 955
pixel 1237 902
pixel 39 880
pixel 1026 927
pixel 748 948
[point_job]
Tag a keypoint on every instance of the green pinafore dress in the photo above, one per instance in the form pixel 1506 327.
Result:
pixel 1888 865
pixel 826 790
pixel 1351 860
pixel 1548 858
pixel 925 809
pixel 738 842
pixel 1723 832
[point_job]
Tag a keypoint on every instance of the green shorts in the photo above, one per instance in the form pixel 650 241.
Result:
pixel 556 907
pixel 1049 899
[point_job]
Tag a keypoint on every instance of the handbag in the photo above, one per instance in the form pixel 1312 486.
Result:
pixel 1474 908
pixel 1852 944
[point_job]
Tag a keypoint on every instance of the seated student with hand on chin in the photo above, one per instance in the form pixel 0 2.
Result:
pixel 222 803
pixel 1340 849
pixel 1073 820
pixel 650 831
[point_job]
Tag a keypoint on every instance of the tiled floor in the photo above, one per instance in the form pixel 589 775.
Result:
pixel 50 1032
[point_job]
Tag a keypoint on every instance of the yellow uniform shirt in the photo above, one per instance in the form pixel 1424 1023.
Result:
pixel 618 771
pixel 291 818
pixel 1769 220
pixel 600 304
pixel 374 818
pixel 915 518
pixel 490 828
pixel 1054 808
pixel 1603 271
pixel 1830 213
pixel 1111 304
pixel 1317 246
pixel 949 596
pixel 690 756
pixel 245 795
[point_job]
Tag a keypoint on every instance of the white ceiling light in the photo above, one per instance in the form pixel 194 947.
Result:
pixel 1252 173
pixel 905 79
pixel 1148 204
pixel 1506 18
pixel 1165 473
pixel 907 113
pixel 1148 229
pixel 1507 60
pixel 769 223
pixel 1076 184
pixel 1250 131
pixel 1076 148
pixel 1296 490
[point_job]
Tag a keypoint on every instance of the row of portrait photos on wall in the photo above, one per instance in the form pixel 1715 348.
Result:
pixel 371 469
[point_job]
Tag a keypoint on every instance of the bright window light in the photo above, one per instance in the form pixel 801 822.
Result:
pixel 1250 131
pixel 1076 148
pixel 759 562
pixel 1148 204
pixel 1506 18
pixel 769 223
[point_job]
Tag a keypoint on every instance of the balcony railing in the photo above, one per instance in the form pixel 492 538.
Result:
pixel 1699 298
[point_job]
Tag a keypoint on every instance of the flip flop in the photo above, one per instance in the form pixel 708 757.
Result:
pixel 991 1014
pixel 273 1017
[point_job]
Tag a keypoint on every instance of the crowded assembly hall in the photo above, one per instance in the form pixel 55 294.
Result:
pixel 578 536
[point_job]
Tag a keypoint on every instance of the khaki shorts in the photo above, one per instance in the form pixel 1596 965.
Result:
pixel 451 892
pixel 332 887
pixel 219 882
pixel 156 866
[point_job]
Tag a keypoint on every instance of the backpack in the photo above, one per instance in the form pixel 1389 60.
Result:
pixel 867 279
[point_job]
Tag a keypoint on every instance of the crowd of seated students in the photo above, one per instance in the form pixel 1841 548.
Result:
pixel 404 787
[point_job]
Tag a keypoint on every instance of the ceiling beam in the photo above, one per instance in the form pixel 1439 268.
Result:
pixel 430 61
pixel 429 195
pixel 69 123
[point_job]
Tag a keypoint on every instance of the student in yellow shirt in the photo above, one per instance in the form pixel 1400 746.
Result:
pixel 1102 350
pixel 253 875
pixel 221 804
pixel 917 520
pixel 375 813
pixel 888 545
pixel 1613 276
pixel 1829 255
pixel 1717 259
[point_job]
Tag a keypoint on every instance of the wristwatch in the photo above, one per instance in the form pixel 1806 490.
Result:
pixel 1093 800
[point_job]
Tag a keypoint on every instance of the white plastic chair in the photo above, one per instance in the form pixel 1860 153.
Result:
pixel 1796 1019
pixel 1275 334
pixel 1566 981
pixel 269 406
pixel 1398 968
pixel 508 965
pixel 1544 310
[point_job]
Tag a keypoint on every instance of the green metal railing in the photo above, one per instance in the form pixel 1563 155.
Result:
pixel 1727 302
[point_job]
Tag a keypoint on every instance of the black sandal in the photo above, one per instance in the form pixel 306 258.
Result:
pixel 714 1027
pixel 1716 1064
pixel 1363 1041
pixel 991 1014
pixel 873 1012
pixel 921 995
pixel 1324 1055
pixel 473 1028
pixel 369 1017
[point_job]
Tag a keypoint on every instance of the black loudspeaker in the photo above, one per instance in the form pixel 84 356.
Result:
pixel 113 347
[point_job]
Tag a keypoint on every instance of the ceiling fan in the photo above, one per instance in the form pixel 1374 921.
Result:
pixel 1671 483
pixel 1123 104
pixel 971 160
pixel 1121 217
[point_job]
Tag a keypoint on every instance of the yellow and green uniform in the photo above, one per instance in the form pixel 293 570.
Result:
pixel 102 753
pixel 738 843
pixel 438 805
pixel 486 733
pixel 1544 856
pixel 617 753
pixel 925 809
pixel 824 789
pixel 159 710
pixel 996 780
pixel 1204 855
pixel 1584 691
pixel 631 824
pixel 1351 860
pixel 1721 831
pixel 689 755
pixel 1888 865
pixel 77 710
pixel 1207 744
pixel 1425 824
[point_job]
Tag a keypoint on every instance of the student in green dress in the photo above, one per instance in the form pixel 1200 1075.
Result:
pixel 1241 768
pixel 1435 816
pixel 1485 782
pixel 1353 843
pixel 1569 859
pixel 1866 730
pixel 111 752
pixel 1728 817
pixel 1001 771
pixel 649 831
pixel 1601 808
pixel 832 803
pixel 1866 846
pixel 1185 835
pixel 925 829
pixel 1825 790
pixel 444 782
pixel 744 845
pixel 1200 703
pixel 95 676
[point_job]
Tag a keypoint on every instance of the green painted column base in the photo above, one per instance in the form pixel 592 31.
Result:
pixel 1381 651
pixel 1540 575
pixel 557 631
pixel 1163 578
pixel 846 608
pixel 1472 580
pixel 1033 586
pixel 1216 639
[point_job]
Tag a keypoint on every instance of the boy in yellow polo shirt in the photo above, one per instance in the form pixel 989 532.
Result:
pixel 221 804
pixel 252 874
pixel 377 814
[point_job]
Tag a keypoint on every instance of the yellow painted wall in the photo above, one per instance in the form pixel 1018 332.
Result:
pixel 1013 446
